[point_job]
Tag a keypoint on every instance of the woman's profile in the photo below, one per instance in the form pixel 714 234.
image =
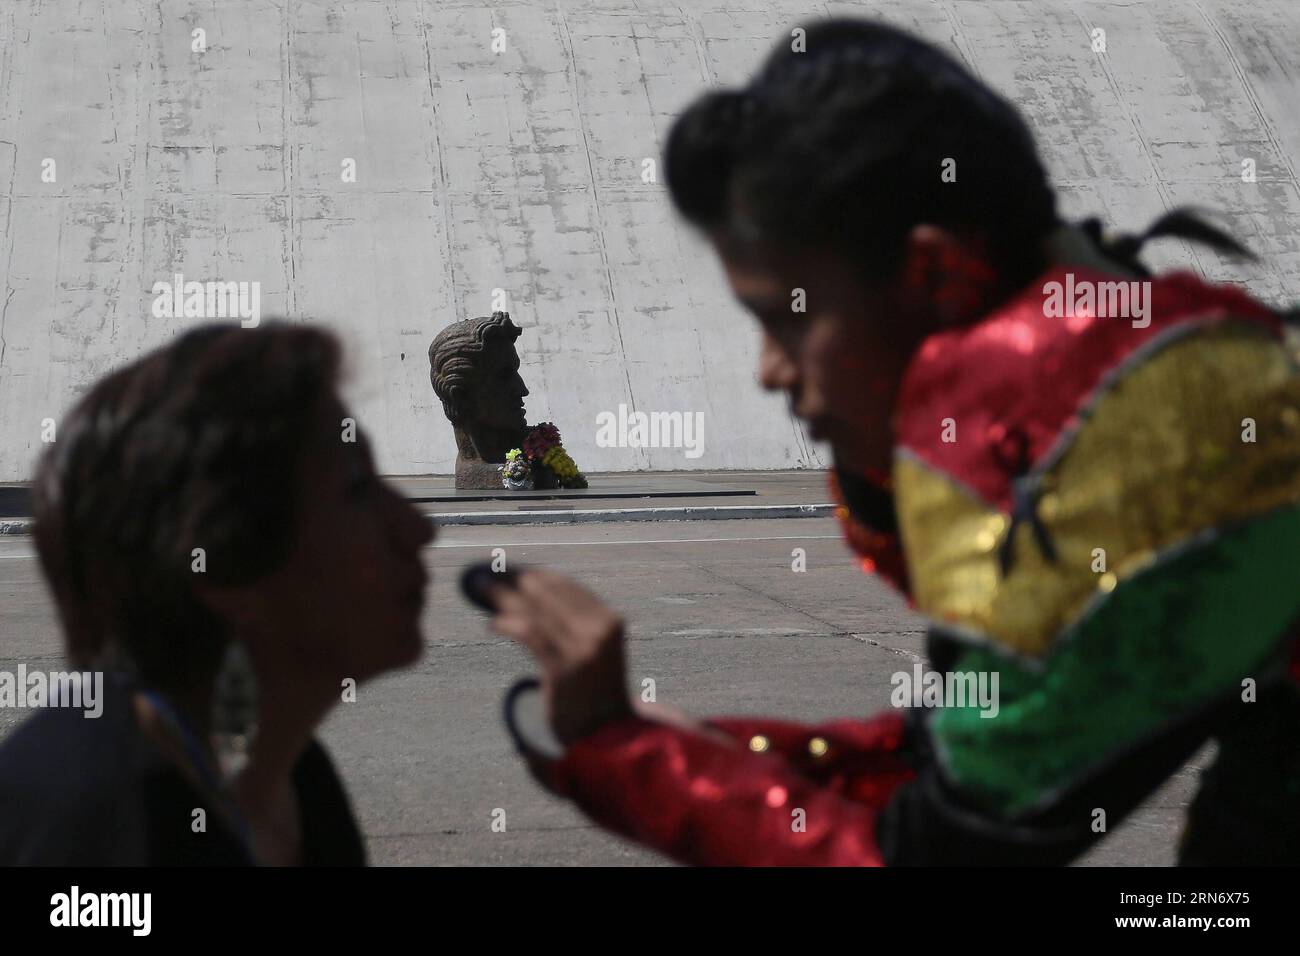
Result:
pixel 219 546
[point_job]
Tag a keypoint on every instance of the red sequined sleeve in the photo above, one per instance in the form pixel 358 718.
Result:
pixel 775 794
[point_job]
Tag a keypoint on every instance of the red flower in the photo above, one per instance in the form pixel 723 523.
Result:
pixel 541 439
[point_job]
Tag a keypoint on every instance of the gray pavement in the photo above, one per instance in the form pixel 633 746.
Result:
pixel 717 619
pixel 636 496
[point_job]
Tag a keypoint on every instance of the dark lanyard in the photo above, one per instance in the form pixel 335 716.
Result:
pixel 207 775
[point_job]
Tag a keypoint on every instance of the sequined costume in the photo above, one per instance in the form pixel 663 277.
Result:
pixel 1106 515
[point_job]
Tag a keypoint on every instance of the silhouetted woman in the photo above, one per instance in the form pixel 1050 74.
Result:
pixel 218 543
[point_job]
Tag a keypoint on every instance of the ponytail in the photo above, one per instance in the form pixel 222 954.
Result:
pixel 1181 222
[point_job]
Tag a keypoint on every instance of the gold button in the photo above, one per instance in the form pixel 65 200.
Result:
pixel 987 538
pixel 818 746
pixel 758 743
pixel 1049 506
pixel 1106 583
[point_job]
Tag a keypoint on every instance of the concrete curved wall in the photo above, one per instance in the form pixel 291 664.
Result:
pixel 521 170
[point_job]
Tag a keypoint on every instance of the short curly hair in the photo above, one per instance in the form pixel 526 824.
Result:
pixel 454 354
pixel 196 444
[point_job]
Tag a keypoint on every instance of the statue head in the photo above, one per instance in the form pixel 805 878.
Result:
pixel 474 368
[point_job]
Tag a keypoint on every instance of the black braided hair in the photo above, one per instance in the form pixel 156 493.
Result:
pixel 1183 223
pixel 840 147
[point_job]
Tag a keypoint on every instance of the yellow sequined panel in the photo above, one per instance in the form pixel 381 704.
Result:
pixel 1161 456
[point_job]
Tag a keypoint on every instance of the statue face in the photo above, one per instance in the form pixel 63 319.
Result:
pixel 500 390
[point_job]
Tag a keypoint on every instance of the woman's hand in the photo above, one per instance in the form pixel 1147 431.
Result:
pixel 578 643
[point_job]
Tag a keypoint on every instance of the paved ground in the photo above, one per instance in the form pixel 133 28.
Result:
pixel 717 617
pixel 438 495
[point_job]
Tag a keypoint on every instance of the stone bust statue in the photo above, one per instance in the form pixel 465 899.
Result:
pixel 474 368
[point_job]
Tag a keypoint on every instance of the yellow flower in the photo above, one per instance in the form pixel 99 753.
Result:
pixel 558 460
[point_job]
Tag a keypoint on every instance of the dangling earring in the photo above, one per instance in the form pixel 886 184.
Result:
pixel 234 710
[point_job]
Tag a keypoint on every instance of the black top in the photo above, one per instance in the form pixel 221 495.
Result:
pixel 79 791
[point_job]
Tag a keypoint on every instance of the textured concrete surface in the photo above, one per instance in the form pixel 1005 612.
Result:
pixel 716 617
pixel 520 170
pixel 440 490
pixel 671 495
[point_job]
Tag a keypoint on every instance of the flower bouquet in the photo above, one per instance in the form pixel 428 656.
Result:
pixel 515 473
pixel 542 462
